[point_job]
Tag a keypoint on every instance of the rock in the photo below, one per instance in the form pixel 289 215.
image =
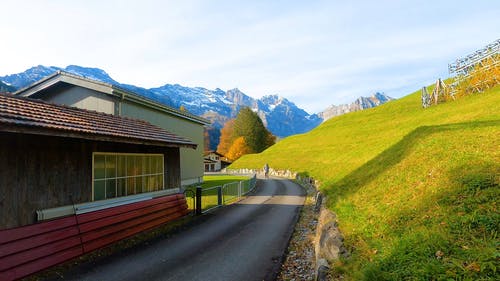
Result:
pixel 322 271
pixel 329 240
pixel 318 200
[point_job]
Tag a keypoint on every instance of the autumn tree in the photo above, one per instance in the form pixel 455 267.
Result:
pixel 249 125
pixel 226 137
pixel 238 149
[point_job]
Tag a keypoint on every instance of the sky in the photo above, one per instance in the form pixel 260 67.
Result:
pixel 314 53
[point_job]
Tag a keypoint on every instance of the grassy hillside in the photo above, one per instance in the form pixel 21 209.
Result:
pixel 415 190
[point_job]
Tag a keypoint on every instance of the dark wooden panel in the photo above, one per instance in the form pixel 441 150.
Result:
pixel 41 172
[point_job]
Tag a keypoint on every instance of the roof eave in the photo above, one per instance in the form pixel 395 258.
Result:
pixel 12 128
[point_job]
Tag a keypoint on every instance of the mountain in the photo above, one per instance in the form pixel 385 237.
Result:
pixel 282 117
pixel 359 104
pixel 6 88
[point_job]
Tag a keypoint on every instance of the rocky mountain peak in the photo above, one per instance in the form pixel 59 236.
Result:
pixel 359 104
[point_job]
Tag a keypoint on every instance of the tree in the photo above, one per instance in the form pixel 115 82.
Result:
pixel 238 149
pixel 206 139
pixel 249 125
pixel 226 137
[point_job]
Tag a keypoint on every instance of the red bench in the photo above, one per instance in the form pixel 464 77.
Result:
pixel 32 248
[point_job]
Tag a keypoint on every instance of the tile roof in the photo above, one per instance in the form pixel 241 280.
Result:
pixel 39 117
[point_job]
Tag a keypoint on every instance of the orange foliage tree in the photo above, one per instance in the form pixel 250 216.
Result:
pixel 238 149
pixel 226 137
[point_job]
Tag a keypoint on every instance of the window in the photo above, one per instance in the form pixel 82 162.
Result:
pixel 120 174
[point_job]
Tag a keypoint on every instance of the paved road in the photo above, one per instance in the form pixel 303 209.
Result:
pixel 244 241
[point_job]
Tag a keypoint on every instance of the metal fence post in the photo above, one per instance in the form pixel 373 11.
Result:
pixel 219 195
pixel 198 200
pixel 239 190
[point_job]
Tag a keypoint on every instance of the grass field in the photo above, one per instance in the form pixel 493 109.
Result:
pixel 415 190
pixel 209 195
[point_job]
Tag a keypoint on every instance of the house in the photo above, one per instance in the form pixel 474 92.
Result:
pixel 56 158
pixel 73 90
pixel 214 161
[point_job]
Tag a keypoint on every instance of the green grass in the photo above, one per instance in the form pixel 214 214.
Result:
pixel 209 196
pixel 216 180
pixel 415 190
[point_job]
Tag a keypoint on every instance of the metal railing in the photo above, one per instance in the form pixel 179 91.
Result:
pixel 208 199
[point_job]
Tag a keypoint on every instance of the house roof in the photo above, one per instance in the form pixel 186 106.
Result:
pixel 208 152
pixel 24 115
pixel 36 90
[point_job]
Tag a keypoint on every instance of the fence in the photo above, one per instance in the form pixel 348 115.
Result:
pixel 206 199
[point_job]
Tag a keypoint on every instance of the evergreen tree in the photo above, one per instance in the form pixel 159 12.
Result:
pixel 249 125
pixel 206 139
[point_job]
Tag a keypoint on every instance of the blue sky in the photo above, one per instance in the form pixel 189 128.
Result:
pixel 315 53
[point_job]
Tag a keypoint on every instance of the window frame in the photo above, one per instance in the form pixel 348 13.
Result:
pixel 116 178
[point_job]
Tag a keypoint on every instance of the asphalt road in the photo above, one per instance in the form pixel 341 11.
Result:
pixel 243 241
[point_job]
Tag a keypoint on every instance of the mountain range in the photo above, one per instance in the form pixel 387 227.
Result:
pixel 281 116
pixel 359 104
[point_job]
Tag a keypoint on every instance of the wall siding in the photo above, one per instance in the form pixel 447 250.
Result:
pixel 191 159
pixel 85 99
pixel 39 172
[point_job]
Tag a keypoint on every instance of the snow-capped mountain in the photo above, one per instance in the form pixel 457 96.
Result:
pixel 282 117
pixel 30 76
pixel 6 88
pixel 359 104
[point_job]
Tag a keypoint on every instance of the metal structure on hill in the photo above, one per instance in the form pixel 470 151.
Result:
pixel 441 93
pixel 485 58
pixel 463 66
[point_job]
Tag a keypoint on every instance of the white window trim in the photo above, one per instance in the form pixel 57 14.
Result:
pixel 127 154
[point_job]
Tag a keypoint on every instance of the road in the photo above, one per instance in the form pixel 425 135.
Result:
pixel 243 241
